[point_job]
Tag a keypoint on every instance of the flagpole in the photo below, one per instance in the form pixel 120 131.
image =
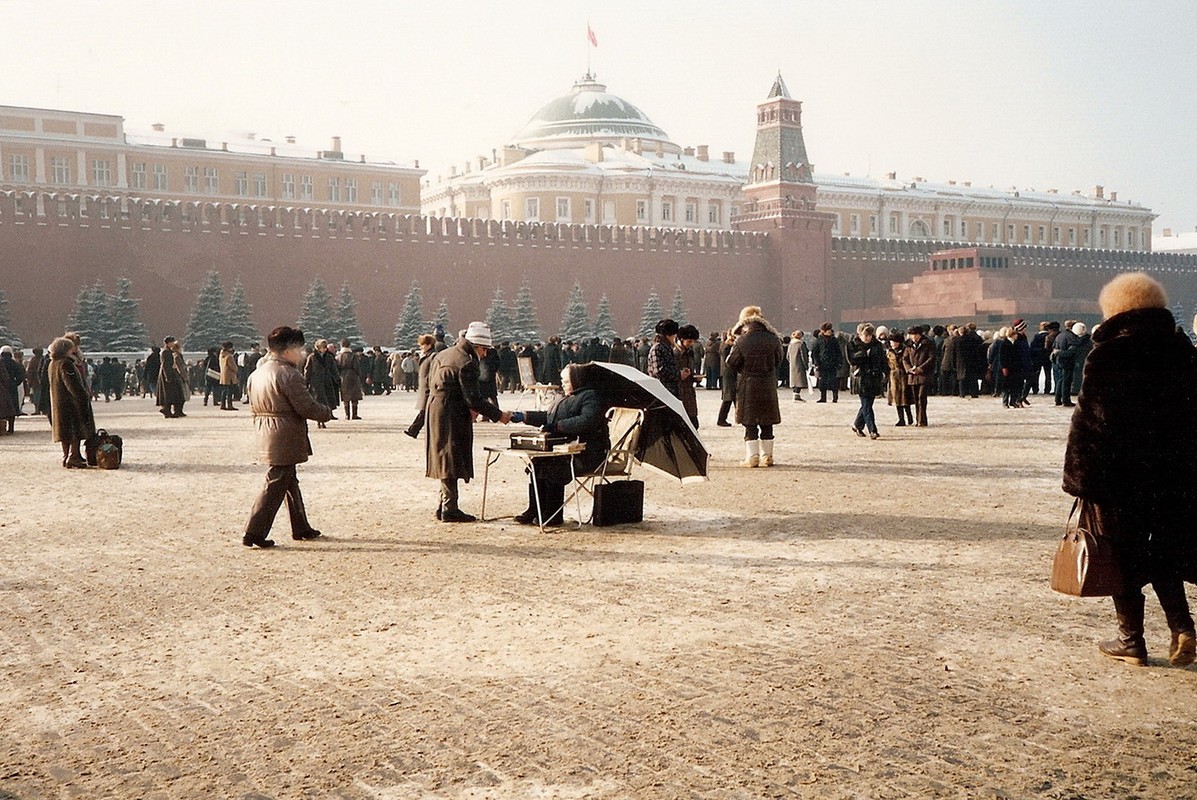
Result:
pixel 587 48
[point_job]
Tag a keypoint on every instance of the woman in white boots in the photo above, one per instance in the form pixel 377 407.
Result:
pixel 754 358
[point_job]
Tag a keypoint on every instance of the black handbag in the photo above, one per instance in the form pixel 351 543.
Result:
pixel 1085 564
pixel 618 502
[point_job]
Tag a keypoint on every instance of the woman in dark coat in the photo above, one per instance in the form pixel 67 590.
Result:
pixel 320 381
pixel 70 402
pixel 1130 451
pixel 172 380
pixel 687 337
pixel 755 357
pixel 581 415
pixel 727 380
pixel 349 374
pixel 826 356
pixel 867 357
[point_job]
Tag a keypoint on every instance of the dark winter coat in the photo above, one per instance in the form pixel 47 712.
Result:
pixel 947 362
pixel 12 376
pixel 153 364
pixel 452 394
pixel 349 369
pixel 826 356
pixel 663 365
pixel 869 366
pixel 172 379
pixel 282 406
pixel 685 388
pixel 754 358
pixel 918 360
pixel 320 382
pixel 970 354
pixel 727 375
pixel 551 363
pixel 582 417
pixel 70 402
pixel 1133 442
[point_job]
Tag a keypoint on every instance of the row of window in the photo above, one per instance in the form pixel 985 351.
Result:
pixel 564 211
pixel 918 229
pixel 245 184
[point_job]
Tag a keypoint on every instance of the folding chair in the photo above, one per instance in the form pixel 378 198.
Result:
pixel 623 425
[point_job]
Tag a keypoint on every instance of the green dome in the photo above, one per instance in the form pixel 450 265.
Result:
pixel 587 113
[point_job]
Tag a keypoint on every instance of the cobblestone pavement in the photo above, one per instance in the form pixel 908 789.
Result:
pixel 866 619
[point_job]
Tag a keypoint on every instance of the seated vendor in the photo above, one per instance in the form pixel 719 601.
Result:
pixel 581 415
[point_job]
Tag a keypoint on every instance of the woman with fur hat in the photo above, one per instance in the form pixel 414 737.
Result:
pixel 70 402
pixel 897 394
pixel 662 360
pixel 754 358
pixel 1131 441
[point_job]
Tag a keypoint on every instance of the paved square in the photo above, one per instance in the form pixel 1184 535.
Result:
pixel 866 619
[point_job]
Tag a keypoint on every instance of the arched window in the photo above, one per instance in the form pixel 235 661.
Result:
pixel 918 230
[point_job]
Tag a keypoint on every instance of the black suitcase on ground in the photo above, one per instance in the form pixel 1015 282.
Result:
pixel 618 503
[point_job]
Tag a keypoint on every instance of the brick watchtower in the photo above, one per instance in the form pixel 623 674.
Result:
pixel 780 200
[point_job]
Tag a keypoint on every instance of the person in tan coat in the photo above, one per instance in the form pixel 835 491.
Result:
pixel 281 407
pixel 70 402
pixel 228 377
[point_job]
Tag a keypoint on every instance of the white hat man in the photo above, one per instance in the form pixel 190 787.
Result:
pixel 453 403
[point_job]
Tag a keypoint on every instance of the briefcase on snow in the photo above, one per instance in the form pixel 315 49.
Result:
pixel 104 450
pixel 618 502
pixel 540 442
pixel 1085 565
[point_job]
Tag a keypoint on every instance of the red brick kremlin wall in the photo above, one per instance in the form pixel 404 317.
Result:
pixel 166 251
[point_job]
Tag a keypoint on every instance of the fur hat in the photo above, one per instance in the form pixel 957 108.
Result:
pixel 882 332
pixel 1079 329
pixel 688 332
pixel 667 327
pixel 479 333
pixel 1130 291
pixel 747 312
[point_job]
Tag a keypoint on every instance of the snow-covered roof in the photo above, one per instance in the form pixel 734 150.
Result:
pixel 932 190
pixel 1178 243
pixel 243 142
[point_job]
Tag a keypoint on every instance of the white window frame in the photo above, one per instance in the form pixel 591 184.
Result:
pixel 1042 234
pixel 191 179
pixel 564 207
pixel 161 178
pixel 835 224
pixel 241 183
pixel 351 190
pixel 667 211
pixel 691 211
pixel 288 186
pixel 873 225
pixel 642 211
pixel 138 175
pixel 211 180
pixel 307 187
pixel 588 210
pixel 393 193
pixel 1026 234
pixel 714 215
pixel 1072 237
pixel 261 188
pixel 101 172
pixel 854 224
pixel 334 190
pixel 18 168
pixel 532 209
pixel 608 212
pixel 504 209
pixel 894 224
pixel 376 193
pixel 60 170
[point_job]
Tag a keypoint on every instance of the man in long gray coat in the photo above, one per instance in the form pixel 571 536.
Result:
pixel 453 400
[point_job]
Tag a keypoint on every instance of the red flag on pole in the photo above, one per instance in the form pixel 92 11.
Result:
pixel 590 35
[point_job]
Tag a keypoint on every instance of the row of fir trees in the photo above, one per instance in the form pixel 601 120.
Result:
pixel 518 321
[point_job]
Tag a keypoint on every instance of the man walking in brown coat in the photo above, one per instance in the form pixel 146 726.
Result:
pixel 281 407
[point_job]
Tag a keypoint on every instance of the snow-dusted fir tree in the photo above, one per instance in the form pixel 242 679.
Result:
pixel 677 309
pixel 650 315
pixel 604 325
pixel 239 327
pixel 411 319
pixel 316 319
pixel 129 332
pixel 7 334
pixel 575 324
pixel 206 328
pixel 442 322
pixel 498 317
pixel 525 325
pixel 90 317
pixel 347 324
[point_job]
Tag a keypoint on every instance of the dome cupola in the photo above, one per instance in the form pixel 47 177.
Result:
pixel 588 113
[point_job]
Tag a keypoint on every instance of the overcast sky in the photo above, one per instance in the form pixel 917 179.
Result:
pixel 1026 93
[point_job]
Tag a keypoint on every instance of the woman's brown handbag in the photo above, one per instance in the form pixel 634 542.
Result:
pixel 1085 565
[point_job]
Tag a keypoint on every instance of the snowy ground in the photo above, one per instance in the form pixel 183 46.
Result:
pixel 866 619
